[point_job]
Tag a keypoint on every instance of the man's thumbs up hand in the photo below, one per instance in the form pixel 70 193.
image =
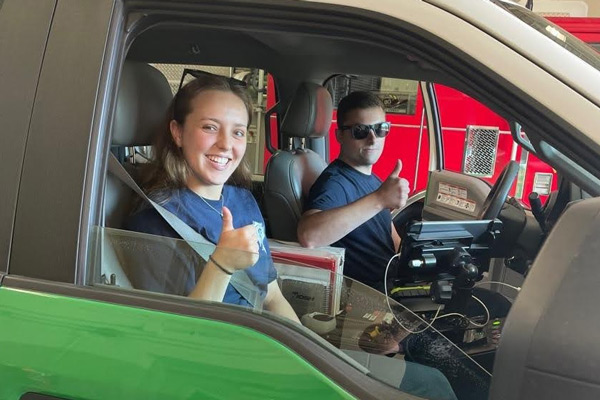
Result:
pixel 393 192
pixel 397 169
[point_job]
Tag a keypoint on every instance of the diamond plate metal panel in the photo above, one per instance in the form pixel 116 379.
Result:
pixel 341 85
pixel 481 145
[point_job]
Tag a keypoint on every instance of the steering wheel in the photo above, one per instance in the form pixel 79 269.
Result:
pixel 497 196
pixel 490 209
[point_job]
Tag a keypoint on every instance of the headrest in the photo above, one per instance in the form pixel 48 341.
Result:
pixel 142 102
pixel 309 113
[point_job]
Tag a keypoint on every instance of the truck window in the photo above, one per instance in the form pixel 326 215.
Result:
pixel 155 261
pixel 145 95
pixel 398 95
pixel 408 138
pixel 271 101
pixel 478 142
pixel 256 81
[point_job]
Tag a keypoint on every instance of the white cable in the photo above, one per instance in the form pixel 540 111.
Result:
pixel 518 289
pixel 452 314
pixel 430 324
pixel 487 311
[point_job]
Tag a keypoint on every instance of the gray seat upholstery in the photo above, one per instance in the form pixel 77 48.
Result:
pixel 549 346
pixel 290 173
pixel 142 101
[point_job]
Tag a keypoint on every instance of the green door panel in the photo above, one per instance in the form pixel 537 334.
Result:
pixel 84 349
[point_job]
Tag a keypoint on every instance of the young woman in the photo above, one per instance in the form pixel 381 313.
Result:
pixel 198 174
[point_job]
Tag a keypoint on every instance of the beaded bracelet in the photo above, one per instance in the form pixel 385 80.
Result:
pixel 210 258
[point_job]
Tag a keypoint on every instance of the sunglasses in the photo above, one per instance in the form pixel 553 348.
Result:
pixel 197 73
pixel 361 131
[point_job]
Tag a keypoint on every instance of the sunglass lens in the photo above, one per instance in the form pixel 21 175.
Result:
pixel 381 130
pixel 360 131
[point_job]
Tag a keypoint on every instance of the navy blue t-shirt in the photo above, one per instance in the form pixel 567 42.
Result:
pixel 368 247
pixel 181 276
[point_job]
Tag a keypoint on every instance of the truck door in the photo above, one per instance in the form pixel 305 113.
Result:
pixel 23 36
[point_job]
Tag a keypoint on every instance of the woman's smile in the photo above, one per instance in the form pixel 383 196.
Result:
pixel 219 162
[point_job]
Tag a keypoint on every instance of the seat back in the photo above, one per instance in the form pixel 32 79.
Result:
pixel 290 173
pixel 549 345
pixel 142 101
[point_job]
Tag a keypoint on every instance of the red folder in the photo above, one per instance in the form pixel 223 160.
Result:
pixel 326 258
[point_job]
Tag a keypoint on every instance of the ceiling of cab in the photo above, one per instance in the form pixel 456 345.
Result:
pixel 299 56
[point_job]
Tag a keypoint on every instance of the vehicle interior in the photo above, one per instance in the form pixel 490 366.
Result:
pixel 448 249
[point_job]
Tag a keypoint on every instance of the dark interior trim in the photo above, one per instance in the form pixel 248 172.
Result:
pixel 433 108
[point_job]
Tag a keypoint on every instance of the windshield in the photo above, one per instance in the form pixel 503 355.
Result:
pixel 554 32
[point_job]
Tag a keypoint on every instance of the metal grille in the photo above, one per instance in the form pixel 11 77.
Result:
pixel 398 95
pixel 342 85
pixel 173 72
pixel 481 144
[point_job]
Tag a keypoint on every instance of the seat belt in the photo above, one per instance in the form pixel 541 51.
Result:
pixel 239 279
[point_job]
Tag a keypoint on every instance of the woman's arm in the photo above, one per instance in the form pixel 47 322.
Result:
pixel 212 283
pixel 275 302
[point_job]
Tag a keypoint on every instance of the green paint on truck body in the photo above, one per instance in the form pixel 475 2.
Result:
pixel 83 349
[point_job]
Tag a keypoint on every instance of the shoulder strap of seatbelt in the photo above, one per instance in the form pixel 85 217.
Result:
pixel 239 280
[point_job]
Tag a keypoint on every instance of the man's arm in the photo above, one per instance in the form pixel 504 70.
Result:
pixel 322 228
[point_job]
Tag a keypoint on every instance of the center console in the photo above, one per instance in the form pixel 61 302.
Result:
pixel 448 258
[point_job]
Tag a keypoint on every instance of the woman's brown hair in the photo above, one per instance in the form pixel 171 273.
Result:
pixel 168 169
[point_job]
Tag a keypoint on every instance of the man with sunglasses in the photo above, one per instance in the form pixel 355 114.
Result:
pixel 350 207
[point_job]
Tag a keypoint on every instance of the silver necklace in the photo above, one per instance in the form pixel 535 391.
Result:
pixel 214 209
